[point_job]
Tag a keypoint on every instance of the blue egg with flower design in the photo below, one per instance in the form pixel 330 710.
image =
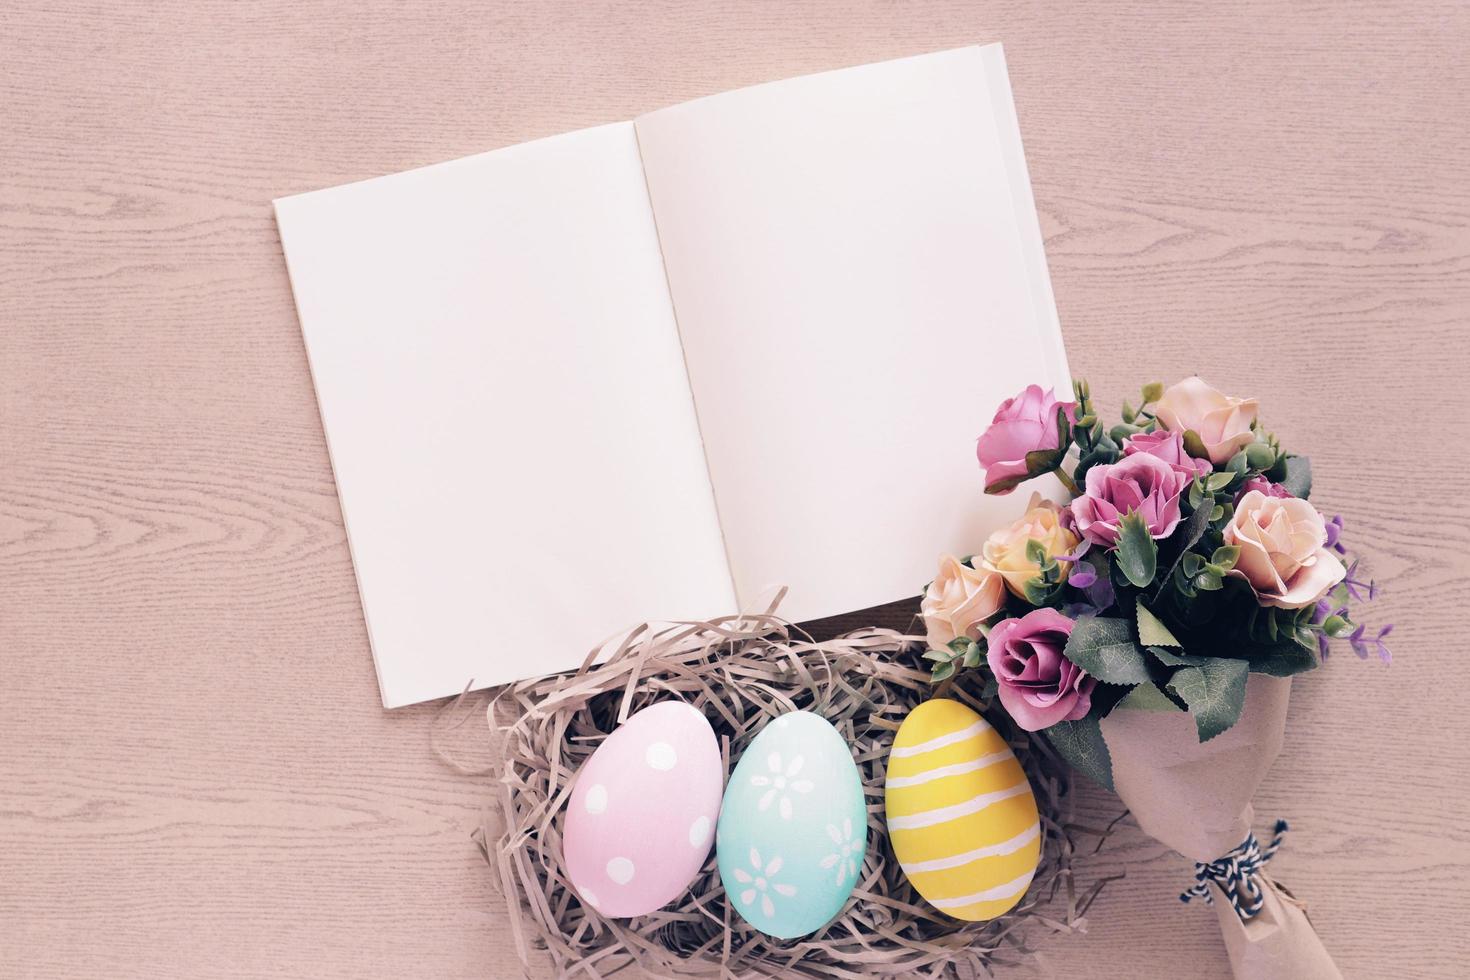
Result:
pixel 793 827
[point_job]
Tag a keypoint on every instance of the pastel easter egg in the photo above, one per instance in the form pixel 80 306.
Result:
pixel 793 828
pixel 961 813
pixel 642 813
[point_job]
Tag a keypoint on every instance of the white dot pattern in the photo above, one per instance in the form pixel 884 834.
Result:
pixel 661 755
pixel 621 870
pixel 699 832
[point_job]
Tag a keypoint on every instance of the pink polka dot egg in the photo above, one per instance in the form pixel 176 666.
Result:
pixel 642 814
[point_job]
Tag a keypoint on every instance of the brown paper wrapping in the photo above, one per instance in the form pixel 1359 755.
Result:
pixel 1195 797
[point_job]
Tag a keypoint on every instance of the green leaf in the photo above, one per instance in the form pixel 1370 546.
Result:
pixel 1237 464
pixel 1298 479
pixel 1105 649
pixel 1152 631
pixel 1188 535
pixel 941 656
pixel 1040 461
pixel 1284 659
pixel 1259 456
pixel 1122 431
pixel 1147 697
pixel 1035 551
pixel 1137 553
pixel 1209 581
pixel 1170 658
pixel 972 656
pixel 1218 481
pixel 1038 591
pixel 1196 493
pixel 1226 556
pixel 1152 392
pixel 1129 412
pixel 1081 744
pixel 1214 691
pixel 1194 445
pixel 942 672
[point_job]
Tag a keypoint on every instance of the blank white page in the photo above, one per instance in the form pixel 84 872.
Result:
pixel 507 411
pixel 858 275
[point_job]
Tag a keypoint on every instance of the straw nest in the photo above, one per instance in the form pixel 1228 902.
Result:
pixel 742 672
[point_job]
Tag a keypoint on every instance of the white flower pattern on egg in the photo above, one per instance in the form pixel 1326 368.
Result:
pixel 761 883
pixel 781 783
pixel 846 852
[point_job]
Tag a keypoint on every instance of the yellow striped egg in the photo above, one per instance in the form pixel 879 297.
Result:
pixel 961 814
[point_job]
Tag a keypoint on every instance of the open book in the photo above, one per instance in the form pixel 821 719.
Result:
pixel 652 370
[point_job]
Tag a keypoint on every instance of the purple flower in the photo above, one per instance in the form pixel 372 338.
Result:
pixel 1168 446
pixel 1264 485
pixel 1363 646
pixel 1142 483
pixel 1082 578
pixel 1038 685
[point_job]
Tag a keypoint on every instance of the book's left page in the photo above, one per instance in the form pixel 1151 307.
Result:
pixel 507 411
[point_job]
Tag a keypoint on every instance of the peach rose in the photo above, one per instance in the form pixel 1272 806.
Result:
pixel 1222 423
pixel 1005 551
pixel 958 600
pixel 1283 550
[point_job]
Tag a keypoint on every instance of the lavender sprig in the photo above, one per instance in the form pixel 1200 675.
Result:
pixel 1354 589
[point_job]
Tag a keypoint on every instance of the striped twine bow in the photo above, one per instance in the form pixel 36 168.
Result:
pixel 1236 874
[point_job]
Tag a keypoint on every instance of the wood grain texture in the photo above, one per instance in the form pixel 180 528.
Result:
pixel 195 777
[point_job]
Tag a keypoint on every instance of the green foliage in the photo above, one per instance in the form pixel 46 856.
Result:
pixel 1137 553
pixel 1147 697
pixel 1297 476
pixel 1283 659
pixel 961 652
pixel 1214 691
pixel 1152 631
pixel 1259 457
pixel 1187 535
pixel 1194 445
pixel 1225 557
pixel 1081 744
pixel 1217 481
pixel 1104 648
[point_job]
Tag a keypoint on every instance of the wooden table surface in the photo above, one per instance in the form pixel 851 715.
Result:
pixel 195 776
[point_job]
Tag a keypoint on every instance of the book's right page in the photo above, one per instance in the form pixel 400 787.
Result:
pixel 857 271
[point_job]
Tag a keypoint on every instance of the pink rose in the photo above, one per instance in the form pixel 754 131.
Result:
pixel 958 600
pixel 1283 550
pixel 1038 686
pixel 1264 485
pixel 1139 482
pixel 1023 424
pixel 1168 446
pixel 1222 423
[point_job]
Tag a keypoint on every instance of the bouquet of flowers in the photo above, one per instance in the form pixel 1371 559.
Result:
pixel 1150 625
